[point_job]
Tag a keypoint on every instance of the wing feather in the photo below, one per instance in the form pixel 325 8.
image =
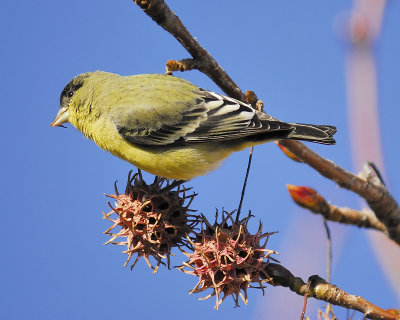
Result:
pixel 210 117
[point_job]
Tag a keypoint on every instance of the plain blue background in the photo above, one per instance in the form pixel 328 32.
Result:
pixel 53 181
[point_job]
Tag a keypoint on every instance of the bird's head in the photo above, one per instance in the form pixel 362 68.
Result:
pixel 71 99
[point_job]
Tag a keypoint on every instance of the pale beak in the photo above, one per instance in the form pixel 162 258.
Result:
pixel 61 117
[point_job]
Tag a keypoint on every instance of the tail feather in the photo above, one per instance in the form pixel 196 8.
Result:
pixel 314 133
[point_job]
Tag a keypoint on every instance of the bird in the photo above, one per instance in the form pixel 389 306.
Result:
pixel 169 127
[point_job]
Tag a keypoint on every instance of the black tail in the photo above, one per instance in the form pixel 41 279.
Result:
pixel 313 133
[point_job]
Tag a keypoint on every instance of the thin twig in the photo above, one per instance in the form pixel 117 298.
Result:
pixel 377 172
pixel 329 251
pixel 180 65
pixel 310 199
pixel 328 256
pixel 303 312
pixel 244 184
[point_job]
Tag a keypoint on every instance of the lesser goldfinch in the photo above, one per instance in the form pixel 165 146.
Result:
pixel 167 126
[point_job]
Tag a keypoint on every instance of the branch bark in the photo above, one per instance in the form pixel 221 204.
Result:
pixel 378 197
pixel 310 199
pixel 164 17
pixel 318 288
pixel 362 219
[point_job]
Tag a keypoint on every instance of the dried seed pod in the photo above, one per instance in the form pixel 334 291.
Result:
pixel 152 218
pixel 228 259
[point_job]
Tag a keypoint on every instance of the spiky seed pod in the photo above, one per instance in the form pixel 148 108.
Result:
pixel 152 218
pixel 228 259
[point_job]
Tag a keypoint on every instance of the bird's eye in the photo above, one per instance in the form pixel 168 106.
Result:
pixel 70 94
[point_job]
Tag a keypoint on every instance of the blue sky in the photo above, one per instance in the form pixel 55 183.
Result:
pixel 54 264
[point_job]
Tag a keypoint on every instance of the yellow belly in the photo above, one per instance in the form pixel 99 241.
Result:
pixel 183 163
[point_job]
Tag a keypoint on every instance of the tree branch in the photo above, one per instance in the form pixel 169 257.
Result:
pixel 362 219
pixel 319 289
pixel 310 199
pixel 164 17
pixel 378 198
